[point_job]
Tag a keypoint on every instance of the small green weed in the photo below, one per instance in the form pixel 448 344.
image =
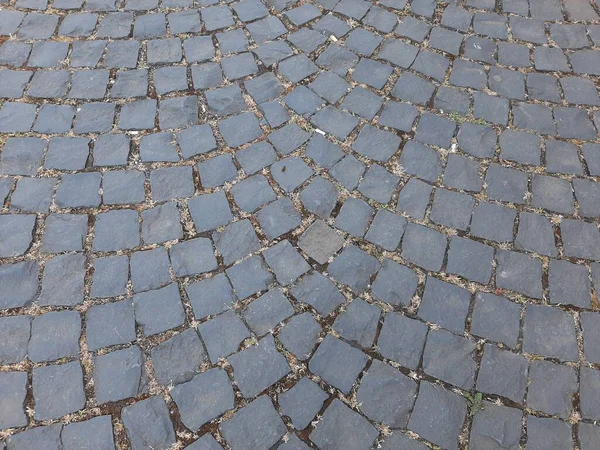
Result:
pixel 475 402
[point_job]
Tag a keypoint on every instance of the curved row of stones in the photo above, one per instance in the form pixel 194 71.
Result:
pixel 330 225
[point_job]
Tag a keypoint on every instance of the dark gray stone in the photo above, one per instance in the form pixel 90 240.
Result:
pixel 13 389
pixel 496 425
pixel 589 394
pixel 159 310
pixel 148 423
pixel 302 402
pixel 57 390
pixel 440 298
pixel 299 335
pixel 210 296
pixel 358 324
pixel 110 324
pixel 256 426
pixel 550 332
pixel 535 234
pixel 237 240
pixel 249 277
pixel 267 311
pixel 502 373
pixel 544 432
pixel 552 388
pixel 520 273
pixel 258 367
pixel 177 359
pixel 357 432
pixel 452 209
pixel 378 184
pixel 496 318
pixel 580 239
pixel 14 338
pixel 204 398
pixel 438 415
pixel 110 276
pixel 424 247
pixel 506 184
pixel 119 375
pixel 149 269
pixel 54 335
pixel 223 335
pixel 210 211
pixel 278 217
pixel 193 257
pixel 420 160
pixel 21 284
pixel 285 262
pixel 450 358
pixel 332 354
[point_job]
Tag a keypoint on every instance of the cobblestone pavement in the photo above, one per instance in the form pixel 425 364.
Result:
pixel 335 225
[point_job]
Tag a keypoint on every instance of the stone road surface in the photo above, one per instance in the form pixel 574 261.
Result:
pixel 328 224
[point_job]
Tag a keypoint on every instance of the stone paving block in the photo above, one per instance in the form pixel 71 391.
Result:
pixel 535 234
pixel 32 195
pixel 278 217
pixel 15 332
pixel 441 297
pixel 519 272
pixel 21 281
pixel 562 157
pixel 496 318
pixel 267 311
pixel 502 373
pixel 378 184
pixel 402 339
pixel 328 435
pixel 116 230
pixel 452 209
pixel 551 388
pixel 255 426
pixel 358 324
pixel 299 335
pixel 285 262
pixel 413 88
pixel 450 358
pixel 58 390
pixel 237 240
pixel 223 335
pixel 63 280
pixel 210 296
pixel 79 190
pixel 333 353
pixel 547 431
pixel 550 332
pixel 438 415
pixel 97 431
pixel 148 423
pixel 110 276
pixel 149 269
pixel 302 402
pixel 22 156
pixel 376 400
pixel 579 239
pixel 424 246
pixel 50 435
pixel 178 359
pixel 216 204
pixel 206 442
pixel 16 234
pixel 13 389
pixel 354 268
pixel 119 375
pixel 589 321
pixel 249 277
pixel 193 257
pixel 588 391
pixel 506 184
pixel 576 277
pixel 203 398
pixel 498 424
pixel 110 324
pixel 588 434
pixel 257 368
pixel 147 305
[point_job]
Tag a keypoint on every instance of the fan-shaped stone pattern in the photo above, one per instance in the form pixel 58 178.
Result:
pixel 333 224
